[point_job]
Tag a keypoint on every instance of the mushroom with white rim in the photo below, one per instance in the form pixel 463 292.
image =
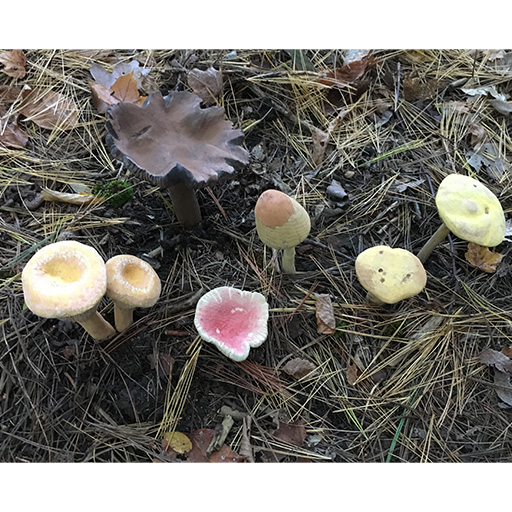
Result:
pixel 67 280
pixel 390 275
pixel 281 223
pixel 131 283
pixel 470 211
pixel 233 320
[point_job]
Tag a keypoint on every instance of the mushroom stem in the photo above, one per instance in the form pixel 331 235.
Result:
pixel 123 317
pixel 185 204
pixel 440 234
pixel 289 260
pixel 96 326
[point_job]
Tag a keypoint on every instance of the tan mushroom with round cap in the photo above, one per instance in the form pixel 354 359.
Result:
pixel 131 283
pixel 281 223
pixel 67 280
pixel 390 275
pixel 470 211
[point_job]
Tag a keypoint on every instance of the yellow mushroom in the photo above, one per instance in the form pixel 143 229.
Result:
pixel 470 211
pixel 67 280
pixel 390 275
pixel 281 223
pixel 131 283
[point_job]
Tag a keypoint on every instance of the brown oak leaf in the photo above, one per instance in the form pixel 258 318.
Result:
pixel 14 62
pixel 482 258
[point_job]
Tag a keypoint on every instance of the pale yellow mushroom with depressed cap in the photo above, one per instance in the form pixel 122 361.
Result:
pixel 390 275
pixel 131 283
pixel 470 211
pixel 67 280
pixel 281 223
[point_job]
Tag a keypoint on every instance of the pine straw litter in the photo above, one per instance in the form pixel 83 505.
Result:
pixel 399 383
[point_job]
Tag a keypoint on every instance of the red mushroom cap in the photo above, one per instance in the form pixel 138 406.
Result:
pixel 233 320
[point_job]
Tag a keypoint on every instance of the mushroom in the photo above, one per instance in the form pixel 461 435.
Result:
pixel 390 275
pixel 174 143
pixel 67 280
pixel 233 320
pixel 131 283
pixel 470 211
pixel 281 223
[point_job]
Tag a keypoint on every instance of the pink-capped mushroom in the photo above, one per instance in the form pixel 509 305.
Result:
pixel 233 320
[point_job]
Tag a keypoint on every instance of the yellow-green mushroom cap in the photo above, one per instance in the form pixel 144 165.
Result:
pixel 390 275
pixel 470 210
pixel 281 222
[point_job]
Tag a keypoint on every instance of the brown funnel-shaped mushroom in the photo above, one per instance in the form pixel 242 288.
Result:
pixel 174 143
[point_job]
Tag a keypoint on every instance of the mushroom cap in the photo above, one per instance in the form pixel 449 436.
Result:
pixel 172 140
pixel 132 282
pixel 233 320
pixel 390 275
pixel 470 210
pixel 281 222
pixel 64 280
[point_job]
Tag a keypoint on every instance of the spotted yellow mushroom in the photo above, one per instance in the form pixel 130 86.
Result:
pixel 390 275
pixel 470 211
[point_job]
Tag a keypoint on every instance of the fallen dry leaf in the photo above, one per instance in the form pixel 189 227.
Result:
pixel 125 89
pixel 503 386
pixel 355 369
pixel 14 62
pixel 320 138
pixel 290 433
pixel 9 94
pixel 48 109
pixel 326 322
pixel 496 359
pixel 206 84
pixel 507 351
pixel 66 197
pixel 482 258
pixel 11 135
pixel 298 367
pixel 502 365
pixel 122 85
pixel 346 74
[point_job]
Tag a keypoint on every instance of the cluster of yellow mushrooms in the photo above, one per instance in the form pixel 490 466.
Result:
pixel 467 208
pixel 68 279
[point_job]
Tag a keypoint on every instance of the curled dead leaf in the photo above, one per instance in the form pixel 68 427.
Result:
pixel 207 84
pixel 502 365
pixel 14 62
pixel 326 322
pixel 346 74
pixel 66 197
pixel 122 85
pixel 48 109
pixel 482 258
pixel 11 135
